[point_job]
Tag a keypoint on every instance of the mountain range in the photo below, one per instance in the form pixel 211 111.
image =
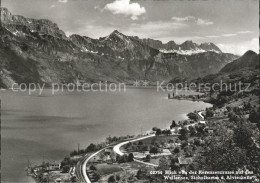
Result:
pixel 33 50
pixel 186 48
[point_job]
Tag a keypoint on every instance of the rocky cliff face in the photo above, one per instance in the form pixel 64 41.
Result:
pixel 41 26
pixel 38 51
pixel 209 47
pixel 171 45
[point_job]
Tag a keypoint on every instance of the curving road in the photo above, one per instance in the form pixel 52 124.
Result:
pixel 118 146
pixel 199 113
pixel 81 167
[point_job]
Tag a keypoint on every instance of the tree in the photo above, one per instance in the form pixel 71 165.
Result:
pixel 92 167
pixel 200 128
pixel 223 155
pixel 228 108
pixel 73 153
pixel 221 100
pixel 91 148
pixel 109 140
pixel 111 179
pixel 197 142
pixel 155 129
pixel 176 150
pixel 243 136
pixel 148 158
pixel 186 122
pixel 95 176
pixel 45 179
pixel 118 178
pixel 192 131
pixel 254 117
pixel 122 159
pixel 175 164
pixel 168 132
pixel 114 139
pixel 184 133
pixel 184 144
pixel 164 132
pixel 141 173
pixel 140 143
pixel 65 161
pixel 158 132
pixel 193 116
pixel 130 157
pixel 209 113
pixel 188 152
pixel 154 150
pixel 73 179
pixel 233 117
pixel 173 124
pixel 66 169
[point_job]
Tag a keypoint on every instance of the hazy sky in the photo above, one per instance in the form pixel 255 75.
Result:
pixel 231 24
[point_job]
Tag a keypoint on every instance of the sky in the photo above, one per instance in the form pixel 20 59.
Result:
pixel 233 25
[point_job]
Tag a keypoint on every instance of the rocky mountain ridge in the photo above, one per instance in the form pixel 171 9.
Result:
pixel 34 50
pixel 186 48
pixel 249 60
pixel 245 69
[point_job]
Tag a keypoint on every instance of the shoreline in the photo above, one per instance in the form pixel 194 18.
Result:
pixel 184 117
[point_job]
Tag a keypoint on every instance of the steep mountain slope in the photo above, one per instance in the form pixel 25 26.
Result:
pixel 242 69
pixel 249 60
pixel 38 51
pixel 41 26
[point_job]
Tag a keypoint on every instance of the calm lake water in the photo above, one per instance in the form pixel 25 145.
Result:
pixel 49 127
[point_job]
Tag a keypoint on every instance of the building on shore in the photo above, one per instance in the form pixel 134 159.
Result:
pixel 53 166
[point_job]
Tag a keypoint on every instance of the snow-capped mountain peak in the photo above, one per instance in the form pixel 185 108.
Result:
pixel 186 48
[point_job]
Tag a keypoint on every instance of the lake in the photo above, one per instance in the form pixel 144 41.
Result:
pixel 49 126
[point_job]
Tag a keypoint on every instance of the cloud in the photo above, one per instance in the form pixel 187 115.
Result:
pixel 241 47
pixel 212 36
pixel 245 32
pixel 228 35
pixel 97 8
pixel 204 22
pixel 184 19
pixel 192 19
pixel 124 7
pixel 62 1
pixel 53 6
